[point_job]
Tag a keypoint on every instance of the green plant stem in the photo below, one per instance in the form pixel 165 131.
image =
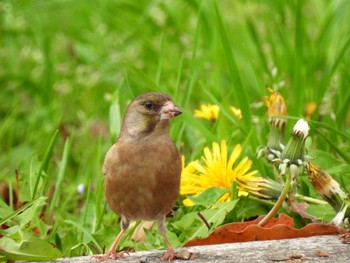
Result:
pixel 278 204
pixel 261 201
pixel 309 199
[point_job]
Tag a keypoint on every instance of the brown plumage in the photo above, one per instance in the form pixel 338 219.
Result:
pixel 143 167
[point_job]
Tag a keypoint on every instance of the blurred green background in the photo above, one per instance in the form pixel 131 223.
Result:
pixel 75 65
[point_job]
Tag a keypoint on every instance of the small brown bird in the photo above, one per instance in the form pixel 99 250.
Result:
pixel 143 167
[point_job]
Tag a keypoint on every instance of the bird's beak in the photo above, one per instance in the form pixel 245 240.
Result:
pixel 169 111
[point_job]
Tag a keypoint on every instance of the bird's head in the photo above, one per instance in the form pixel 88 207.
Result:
pixel 148 114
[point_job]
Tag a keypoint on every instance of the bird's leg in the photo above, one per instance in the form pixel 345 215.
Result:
pixel 111 252
pixel 170 254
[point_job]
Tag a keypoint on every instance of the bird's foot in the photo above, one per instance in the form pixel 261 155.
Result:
pixel 169 256
pixel 110 254
pixel 184 255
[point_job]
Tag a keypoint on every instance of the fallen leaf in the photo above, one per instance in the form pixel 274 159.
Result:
pixel 320 253
pixel 278 228
pixel 300 208
pixel 296 256
pixel 290 258
pixel 185 255
pixel 345 238
pixel 139 233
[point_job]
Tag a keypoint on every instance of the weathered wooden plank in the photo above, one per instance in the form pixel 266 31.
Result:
pixel 311 249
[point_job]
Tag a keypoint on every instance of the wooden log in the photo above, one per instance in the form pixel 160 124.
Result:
pixel 311 249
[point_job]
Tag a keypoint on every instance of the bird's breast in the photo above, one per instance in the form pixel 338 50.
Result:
pixel 142 180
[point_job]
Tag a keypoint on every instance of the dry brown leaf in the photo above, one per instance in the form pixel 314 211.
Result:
pixel 278 228
pixel 185 255
pixel 320 253
pixel 139 233
pixel 345 238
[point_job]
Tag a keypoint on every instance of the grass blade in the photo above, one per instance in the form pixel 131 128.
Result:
pixel 60 177
pixel 237 87
pixel 85 232
pixel 45 162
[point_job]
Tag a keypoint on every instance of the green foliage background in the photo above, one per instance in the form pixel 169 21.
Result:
pixel 75 65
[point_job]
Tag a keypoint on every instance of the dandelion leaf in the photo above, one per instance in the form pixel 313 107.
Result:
pixel 208 197
pixel 192 226
pixel 29 248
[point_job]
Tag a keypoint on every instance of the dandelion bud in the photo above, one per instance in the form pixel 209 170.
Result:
pixel 293 155
pixel 275 107
pixel 295 148
pixel 261 187
pixel 339 217
pixel 301 128
pixel 330 191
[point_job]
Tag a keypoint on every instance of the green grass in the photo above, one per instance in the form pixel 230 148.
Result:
pixel 73 66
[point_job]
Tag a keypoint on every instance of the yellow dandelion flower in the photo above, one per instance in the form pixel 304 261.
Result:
pixel 275 107
pixel 186 173
pixel 217 169
pixel 236 112
pixel 207 111
pixel 275 103
pixel 310 109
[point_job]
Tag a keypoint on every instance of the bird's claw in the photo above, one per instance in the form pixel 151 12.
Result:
pixel 169 256
pixel 109 254
pixel 184 255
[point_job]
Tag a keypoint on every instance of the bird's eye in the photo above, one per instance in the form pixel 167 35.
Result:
pixel 149 105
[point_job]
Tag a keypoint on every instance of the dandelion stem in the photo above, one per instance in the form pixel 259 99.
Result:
pixel 262 201
pixel 310 200
pixel 278 204
pixel 204 220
